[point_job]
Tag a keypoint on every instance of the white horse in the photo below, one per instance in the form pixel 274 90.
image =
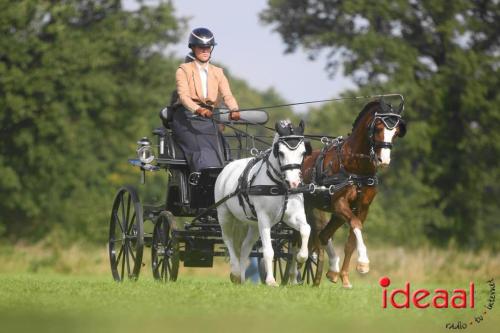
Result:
pixel 278 169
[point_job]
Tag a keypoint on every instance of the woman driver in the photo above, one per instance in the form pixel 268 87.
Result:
pixel 199 86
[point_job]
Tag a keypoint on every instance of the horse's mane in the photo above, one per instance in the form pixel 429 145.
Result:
pixel 364 111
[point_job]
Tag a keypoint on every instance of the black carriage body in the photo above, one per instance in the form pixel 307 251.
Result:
pixel 183 198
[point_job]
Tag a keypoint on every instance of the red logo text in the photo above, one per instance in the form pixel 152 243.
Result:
pixel 423 298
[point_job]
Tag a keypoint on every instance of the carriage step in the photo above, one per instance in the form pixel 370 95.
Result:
pixel 197 233
pixel 148 240
pixel 199 253
pixel 197 226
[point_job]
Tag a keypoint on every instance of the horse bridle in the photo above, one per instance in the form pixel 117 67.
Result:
pixel 390 121
pixel 292 146
pixel 286 140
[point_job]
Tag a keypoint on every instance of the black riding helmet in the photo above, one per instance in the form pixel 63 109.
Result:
pixel 201 37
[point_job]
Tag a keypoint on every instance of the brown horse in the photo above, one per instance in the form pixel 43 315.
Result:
pixel 348 168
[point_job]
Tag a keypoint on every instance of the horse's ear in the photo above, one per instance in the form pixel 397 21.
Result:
pixel 275 149
pixel 281 127
pixel 277 127
pixel 302 126
pixel 308 146
pixel 402 128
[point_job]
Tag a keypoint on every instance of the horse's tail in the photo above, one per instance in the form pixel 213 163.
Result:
pixel 240 231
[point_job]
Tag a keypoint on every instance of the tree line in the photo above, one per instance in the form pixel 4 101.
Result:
pixel 444 57
pixel 81 81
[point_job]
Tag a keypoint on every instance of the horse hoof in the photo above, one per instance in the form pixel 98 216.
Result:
pixel 363 267
pixel 235 279
pixel 272 284
pixel 316 283
pixel 301 259
pixel 347 286
pixel 332 276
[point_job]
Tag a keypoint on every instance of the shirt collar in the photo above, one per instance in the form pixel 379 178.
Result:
pixel 201 66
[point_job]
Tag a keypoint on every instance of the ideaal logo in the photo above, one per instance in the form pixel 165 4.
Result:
pixel 423 298
pixel 439 299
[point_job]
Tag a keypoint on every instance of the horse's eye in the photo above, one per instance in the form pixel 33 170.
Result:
pixel 282 154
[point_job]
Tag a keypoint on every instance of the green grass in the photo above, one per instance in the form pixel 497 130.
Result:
pixel 52 303
pixel 47 287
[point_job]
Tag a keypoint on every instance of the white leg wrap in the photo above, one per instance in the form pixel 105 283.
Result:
pixel 360 245
pixel 333 258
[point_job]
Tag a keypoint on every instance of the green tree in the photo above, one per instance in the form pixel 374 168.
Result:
pixel 78 80
pixel 444 57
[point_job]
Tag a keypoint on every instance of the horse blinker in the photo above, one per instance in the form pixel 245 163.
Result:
pixel 402 128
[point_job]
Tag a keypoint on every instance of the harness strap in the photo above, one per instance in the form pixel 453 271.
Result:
pixel 270 167
pixel 339 155
pixel 246 188
pixel 221 201
pixel 382 144
pixel 318 172
pixel 350 179
pixel 266 190
pixel 341 179
pixel 290 167
pixel 318 165
pixel 280 182
pixel 243 186
pixel 283 208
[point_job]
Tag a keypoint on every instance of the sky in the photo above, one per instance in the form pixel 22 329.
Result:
pixel 253 52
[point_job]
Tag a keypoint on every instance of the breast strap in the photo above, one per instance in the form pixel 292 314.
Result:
pixel 245 188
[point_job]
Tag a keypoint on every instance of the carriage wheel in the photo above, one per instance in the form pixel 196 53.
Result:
pixel 126 235
pixel 312 269
pixel 165 250
pixel 282 263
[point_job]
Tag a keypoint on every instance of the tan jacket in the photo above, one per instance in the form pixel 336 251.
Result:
pixel 190 92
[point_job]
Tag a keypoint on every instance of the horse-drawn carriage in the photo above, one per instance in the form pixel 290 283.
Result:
pixel 185 229
pixel 186 226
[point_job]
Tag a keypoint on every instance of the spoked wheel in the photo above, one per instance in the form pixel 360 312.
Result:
pixel 126 235
pixel 282 263
pixel 165 249
pixel 312 269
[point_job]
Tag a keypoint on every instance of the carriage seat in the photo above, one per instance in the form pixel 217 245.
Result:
pixel 172 153
pixel 169 151
pixel 175 155
pixel 167 115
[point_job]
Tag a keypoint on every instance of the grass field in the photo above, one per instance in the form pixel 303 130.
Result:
pixel 73 291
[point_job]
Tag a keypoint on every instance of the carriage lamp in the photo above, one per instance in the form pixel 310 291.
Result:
pixel 145 151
